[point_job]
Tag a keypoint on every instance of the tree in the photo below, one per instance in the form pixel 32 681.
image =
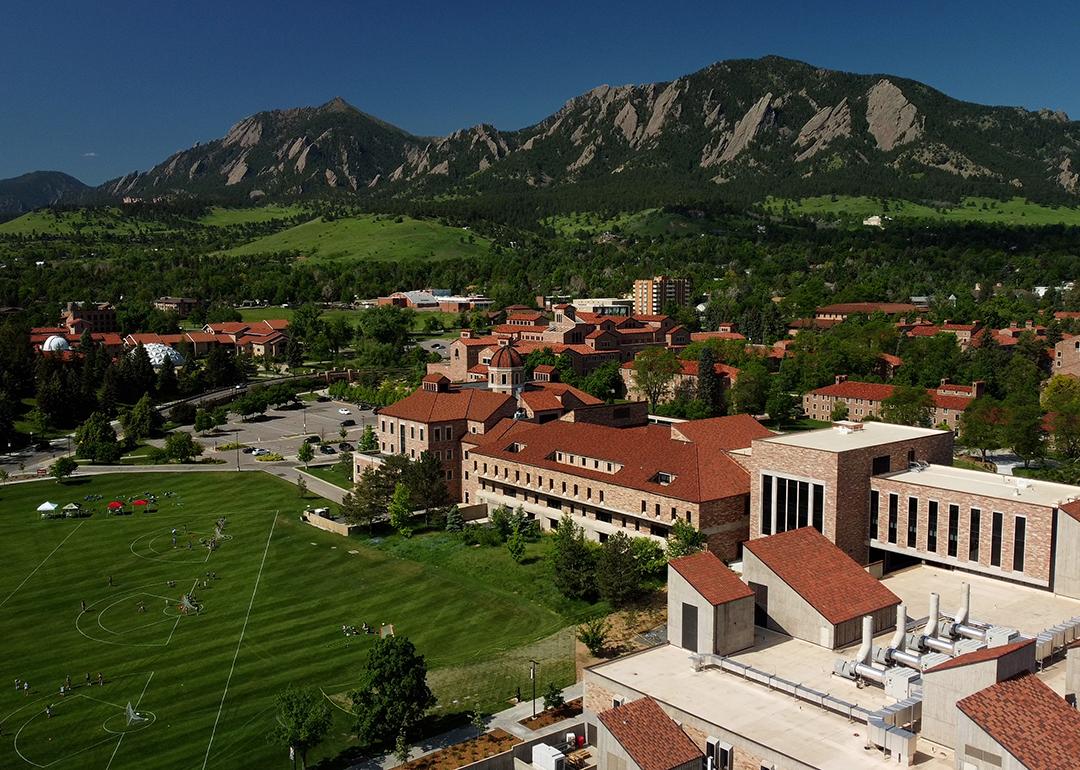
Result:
pixel 515 544
pixel 368 441
pixel 373 491
pixel 654 371
pixel 684 540
pixel 575 567
pixel 780 405
pixel 650 557
pixel 204 421
pixel 95 440
pixel 400 510
pixel 301 487
pixel 710 390
pixel 1021 380
pixel 981 424
pixel 553 697
pixel 181 447
pixel 1065 428
pixel 618 574
pixel 1059 392
pixel 166 379
pixel 401 749
pixel 455 522
pixel 478 721
pixel 305 454
pixel 1024 431
pixel 427 482
pixel 750 391
pixel 594 635
pixel 141 377
pixel 393 695
pixel 303 718
pixel 908 405
pixel 294 353
pixel 142 421
pixel 839 411
pixel 62 468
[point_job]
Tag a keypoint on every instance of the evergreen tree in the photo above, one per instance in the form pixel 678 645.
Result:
pixel 573 561
pixel 400 510
pixel 618 573
pixel 95 440
pixel 166 379
pixel 141 377
pixel 141 421
pixel 709 387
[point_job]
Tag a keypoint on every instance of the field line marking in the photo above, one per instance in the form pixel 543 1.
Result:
pixel 54 550
pixel 240 641
pixel 136 708
pixel 173 631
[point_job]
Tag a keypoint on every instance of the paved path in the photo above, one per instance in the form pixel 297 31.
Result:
pixel 507 720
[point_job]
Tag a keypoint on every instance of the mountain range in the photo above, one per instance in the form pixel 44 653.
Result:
pixel 742 127
pixel 36 190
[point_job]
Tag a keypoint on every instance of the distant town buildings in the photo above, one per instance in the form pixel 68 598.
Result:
pixel 436 299
pixel 652 296
pixel 182 306
pixel 78 317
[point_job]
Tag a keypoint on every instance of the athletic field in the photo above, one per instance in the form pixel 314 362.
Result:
pixel 202 683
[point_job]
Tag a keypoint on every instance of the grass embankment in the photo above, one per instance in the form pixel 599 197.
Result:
pixel 1016 211
pixel 369 237
pixel 272 617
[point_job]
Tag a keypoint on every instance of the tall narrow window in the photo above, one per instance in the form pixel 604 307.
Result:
pixel 894 504
pixel 792 504
pixel 804 503
pixel 973 535
pixel 781 504
pixel 954 528
pixel 995 541
pixel 912 521
pixel 819 508
pixel 931 526
pixel 874 512
pixel 1019 538
pixel 766 504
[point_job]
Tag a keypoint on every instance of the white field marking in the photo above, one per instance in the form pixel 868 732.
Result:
pixel 54 550
pixel 240 641
pixel 125 633
pixel 333 702
pixel 136 709
pixel 178 616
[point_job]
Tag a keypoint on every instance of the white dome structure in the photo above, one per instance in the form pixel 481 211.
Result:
pixel 157 352
pixel 55 344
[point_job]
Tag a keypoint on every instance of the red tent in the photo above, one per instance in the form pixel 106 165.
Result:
pixel 141 502
pixel 115 505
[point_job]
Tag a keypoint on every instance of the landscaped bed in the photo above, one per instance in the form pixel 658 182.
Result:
pixel 466 752
pixel 549 717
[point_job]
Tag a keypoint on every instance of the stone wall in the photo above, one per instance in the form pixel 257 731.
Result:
pixel 329 525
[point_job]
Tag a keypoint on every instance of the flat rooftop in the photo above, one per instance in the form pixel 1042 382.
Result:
pixel 844 438
pixel 996 485
pixel 796 729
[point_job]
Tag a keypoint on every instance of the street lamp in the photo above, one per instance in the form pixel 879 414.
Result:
pixel 532 675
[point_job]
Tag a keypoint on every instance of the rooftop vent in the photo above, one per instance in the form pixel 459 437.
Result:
pixel 847 426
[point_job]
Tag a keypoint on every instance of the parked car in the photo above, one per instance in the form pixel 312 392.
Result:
pixel 326 449
pixel 248 450
pixel 343 410
pixel 260 452
pixel 345 446
pixel 312 440
pixel 348 423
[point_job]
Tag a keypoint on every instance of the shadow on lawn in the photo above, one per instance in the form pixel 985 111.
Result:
pixel 439 732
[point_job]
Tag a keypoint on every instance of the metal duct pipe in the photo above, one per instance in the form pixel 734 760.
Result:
pixel 867 645
pixel 897 641
pixel 938 645
pixel 965 605
pixel 935 613
pixel 970 632
pixel 897 650
pixel 869 672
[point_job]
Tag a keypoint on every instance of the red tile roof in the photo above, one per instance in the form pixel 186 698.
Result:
pixel 694 454
pixel 827 578
pixel 889 308
pixel 650 737
pixel 711 578
pixel 1029 720
pixel 544 369
pixel 1072 508
pixel 981 656
pixel 462 404
pixel 435 377
pixel 875 391
pixel 505 358
pixel 702 336
pixel 546 396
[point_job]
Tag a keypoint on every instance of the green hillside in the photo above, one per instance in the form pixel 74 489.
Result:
pixel 91 221
pixel 223 217
pixel 1016 211
pixel 369 238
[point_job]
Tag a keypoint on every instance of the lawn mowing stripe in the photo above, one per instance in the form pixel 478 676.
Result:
pixel 240 641
pixel 54 550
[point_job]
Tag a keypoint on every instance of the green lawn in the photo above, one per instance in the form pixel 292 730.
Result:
pixel 369 237
pixel 223 217
pixel 331 474
pixel 645 223
pixel 273 616
pixel 1016 211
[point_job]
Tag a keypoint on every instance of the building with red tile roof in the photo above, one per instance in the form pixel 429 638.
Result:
pixel 843 310
pixel 686 381
pixel 981 656
pixel 813 590
pixel 864 399
pixel 646 737
pixel 711 578
pixel 1022 720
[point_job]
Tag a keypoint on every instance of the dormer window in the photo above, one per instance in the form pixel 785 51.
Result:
pixel 663 478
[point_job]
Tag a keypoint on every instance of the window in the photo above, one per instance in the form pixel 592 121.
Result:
pixel 781 504
pixel 881 465
pixel 804 503
pixel 894 504
pixel 954 528
pixel 912 521
pixel 412 431
pixel 766 504
pixel 931 526
pixel 421 434
pixel 643 506
pixel 1019 538
pixel 575 490
pixel 874 513
pixel 436 433
pixel 601 495
pixel 995 541
pixel 448 433
pixel 973 535
pixel 818 518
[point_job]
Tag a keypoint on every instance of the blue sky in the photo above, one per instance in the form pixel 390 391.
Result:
pixel 99 89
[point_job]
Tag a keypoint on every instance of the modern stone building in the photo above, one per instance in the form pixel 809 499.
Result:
pixel 653 295
pixel 709 608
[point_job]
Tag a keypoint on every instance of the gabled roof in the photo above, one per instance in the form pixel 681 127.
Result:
pixel 650 737
pixel 876 391
pixel 827 578
pixel 1072 508
pixel 1029 720
pixel 889 308
pixel 442 406
pixel 711 578
pixel 980 656
pixel 548 396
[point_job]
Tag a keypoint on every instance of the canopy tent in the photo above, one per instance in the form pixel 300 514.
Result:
pixel 115 505
pixel 72 507
pixel 47 507
pixel 140 501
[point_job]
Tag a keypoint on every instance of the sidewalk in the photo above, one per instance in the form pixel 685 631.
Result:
pixel 507 720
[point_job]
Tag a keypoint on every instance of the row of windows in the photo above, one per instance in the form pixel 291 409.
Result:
pixel 438 433
pixel 788 503
pixel 973 546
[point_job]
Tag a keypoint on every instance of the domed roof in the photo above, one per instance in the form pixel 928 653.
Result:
pixel 157 353
pixel 55 344
pixel 506 358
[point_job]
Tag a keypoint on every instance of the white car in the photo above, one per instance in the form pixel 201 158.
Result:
pixel 261 452
pixel 343 410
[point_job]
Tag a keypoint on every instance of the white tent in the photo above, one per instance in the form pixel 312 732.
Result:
pixel 47 507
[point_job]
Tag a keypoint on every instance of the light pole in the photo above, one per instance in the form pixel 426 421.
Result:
pixel 532 675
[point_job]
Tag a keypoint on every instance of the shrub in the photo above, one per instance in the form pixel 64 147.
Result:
pixel 183 413
pixel 455 522
pixel 553 697
pixel 594 635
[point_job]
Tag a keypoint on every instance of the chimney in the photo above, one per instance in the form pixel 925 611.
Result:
pixel 977 388
pixel 840 378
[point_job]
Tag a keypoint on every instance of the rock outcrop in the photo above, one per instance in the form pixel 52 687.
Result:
pixel 892 119
pixel 827 124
